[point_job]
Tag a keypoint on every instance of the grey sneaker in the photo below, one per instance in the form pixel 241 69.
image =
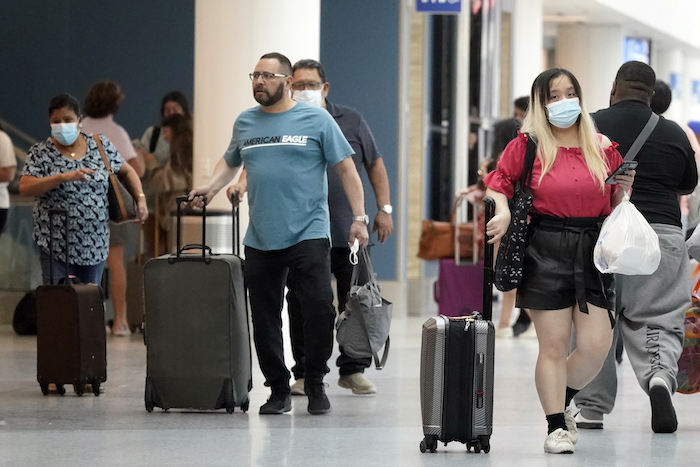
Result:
pixel 298 388
pixel 358 382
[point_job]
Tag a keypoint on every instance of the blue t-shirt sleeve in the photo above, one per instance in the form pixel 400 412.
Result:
pixel 232 156
pixel 335 146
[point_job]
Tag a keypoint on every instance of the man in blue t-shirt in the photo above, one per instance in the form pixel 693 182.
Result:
pixel 310 86
pixel 285 147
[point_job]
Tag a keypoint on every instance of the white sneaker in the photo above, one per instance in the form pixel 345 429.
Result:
pixel 571 426
pixel 586 423
pixel 358 382
pixel 559 442
pixel 297 389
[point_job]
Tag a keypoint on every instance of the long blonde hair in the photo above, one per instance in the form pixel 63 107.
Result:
pixel 538 126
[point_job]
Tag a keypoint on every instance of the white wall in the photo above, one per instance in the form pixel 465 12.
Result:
pixel 527 46
pixel 230 37
pixel 593 53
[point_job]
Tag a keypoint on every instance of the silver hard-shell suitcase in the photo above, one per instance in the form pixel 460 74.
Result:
pixel 457 372
pixel 196 329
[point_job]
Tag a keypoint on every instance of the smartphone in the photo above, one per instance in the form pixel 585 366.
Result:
pixel 625 166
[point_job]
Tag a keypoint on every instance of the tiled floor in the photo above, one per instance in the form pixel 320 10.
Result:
pixel 383 430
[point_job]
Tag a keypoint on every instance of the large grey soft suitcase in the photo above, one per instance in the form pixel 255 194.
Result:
pixel 457 372
pixel 196 325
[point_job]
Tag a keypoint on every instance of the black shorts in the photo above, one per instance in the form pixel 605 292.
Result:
pixel 559 270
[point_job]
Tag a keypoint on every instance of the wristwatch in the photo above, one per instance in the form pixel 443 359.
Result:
pixel 386 208
pixel 364 218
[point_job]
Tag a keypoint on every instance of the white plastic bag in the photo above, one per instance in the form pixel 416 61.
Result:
pixel 627 244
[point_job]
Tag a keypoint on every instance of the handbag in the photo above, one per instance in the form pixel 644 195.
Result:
pixel 121 205
pixel 508 270
pixel 363 328
pixel 440 239
pixel 689 362
pixel 627 244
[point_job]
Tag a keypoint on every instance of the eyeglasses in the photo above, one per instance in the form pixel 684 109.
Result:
pixel 265 75
pixel 313 86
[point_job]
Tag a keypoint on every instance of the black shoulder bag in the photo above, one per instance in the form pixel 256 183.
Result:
pixel 508 272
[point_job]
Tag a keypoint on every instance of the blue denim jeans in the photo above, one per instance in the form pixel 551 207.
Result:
pixel 86 274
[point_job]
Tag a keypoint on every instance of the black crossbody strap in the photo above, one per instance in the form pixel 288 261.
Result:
pixel 530 155
pixel 642 138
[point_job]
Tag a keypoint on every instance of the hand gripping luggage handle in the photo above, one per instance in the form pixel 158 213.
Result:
pixel 489 210
pixel 52 213
pixel 185 199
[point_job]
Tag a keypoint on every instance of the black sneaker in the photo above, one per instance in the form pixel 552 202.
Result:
pixel 277 404
pixel 522 324
pixel 663 415
pixel 318 402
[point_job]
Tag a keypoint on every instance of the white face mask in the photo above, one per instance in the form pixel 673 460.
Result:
pixel 308 96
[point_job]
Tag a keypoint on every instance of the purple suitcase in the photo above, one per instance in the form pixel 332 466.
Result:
pixel 458 290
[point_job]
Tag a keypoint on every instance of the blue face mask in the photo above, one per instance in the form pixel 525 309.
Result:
pixel 65 133
pixel 564 113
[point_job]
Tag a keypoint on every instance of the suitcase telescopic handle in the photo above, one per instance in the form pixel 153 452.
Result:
pixel 185 199
pixel 489 210
pixel 235 206
pixel 52 214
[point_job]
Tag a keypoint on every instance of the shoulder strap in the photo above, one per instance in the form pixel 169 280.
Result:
pixel 154 139
pixel 530 155
pixel 642 138
pixel 102 153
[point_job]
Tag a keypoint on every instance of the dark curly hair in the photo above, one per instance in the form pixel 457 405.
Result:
pixel 103 99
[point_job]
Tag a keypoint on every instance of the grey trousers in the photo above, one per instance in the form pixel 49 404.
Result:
pixel 650 314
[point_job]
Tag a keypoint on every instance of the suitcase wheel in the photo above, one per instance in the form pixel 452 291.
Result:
pixel 79 389
pixel 96 388
pixel 229 408
pixel 61 390
pixel 429 443
pixel 44 388
pixel 484 441
pixel 245 405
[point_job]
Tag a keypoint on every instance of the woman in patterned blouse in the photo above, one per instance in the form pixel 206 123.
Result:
pixel 67 172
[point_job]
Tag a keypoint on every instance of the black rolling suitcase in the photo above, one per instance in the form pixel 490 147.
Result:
pixel 456 373
pixel 196 329
pixel 71 340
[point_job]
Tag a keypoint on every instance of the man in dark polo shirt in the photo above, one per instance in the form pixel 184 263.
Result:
pixel 310 86
pixel 650 309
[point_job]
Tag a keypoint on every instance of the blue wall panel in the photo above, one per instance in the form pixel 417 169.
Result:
pixel 48 47
pixel 360 52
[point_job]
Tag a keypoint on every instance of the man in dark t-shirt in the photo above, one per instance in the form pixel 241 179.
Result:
pixel 650 309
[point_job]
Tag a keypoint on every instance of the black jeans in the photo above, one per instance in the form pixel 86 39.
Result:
pixel 3 219
pixel 342 270
pixel 265 275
